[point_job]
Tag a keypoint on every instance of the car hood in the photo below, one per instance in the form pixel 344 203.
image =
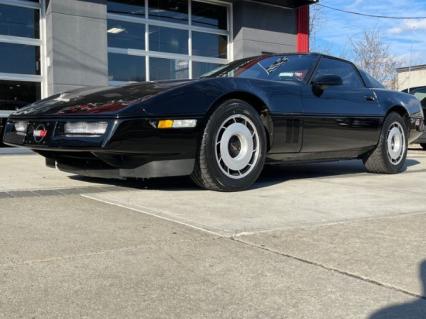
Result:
pixel 106 101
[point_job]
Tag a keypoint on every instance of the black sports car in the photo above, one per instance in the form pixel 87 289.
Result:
pixel 222 128
pixel 420 93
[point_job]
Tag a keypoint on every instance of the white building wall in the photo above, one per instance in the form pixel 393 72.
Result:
pixel 410 79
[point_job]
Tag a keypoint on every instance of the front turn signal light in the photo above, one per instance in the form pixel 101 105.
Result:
pixel 164 124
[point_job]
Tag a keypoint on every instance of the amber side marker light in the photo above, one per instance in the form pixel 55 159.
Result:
pixel 165 124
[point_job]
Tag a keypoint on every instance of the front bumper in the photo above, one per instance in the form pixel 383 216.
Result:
pixel 129 148
pixel 417 127
pixel 421 139
pixel 154 169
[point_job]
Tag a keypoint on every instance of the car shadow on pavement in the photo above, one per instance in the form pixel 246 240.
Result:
pixel 275 174
pixel 412 310
pixel 165 183
pixel 271 175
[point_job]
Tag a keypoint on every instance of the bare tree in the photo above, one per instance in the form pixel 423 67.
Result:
pixel 315 21
pixel 372 54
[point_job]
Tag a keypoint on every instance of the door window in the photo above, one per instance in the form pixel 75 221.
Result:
pixel 346 71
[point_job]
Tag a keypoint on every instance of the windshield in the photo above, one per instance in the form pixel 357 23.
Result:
pixel 292 67
pixel 373 83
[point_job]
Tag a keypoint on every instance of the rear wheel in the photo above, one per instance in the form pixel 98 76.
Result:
pixel 391 152
pixel 423 146
pixel 233 148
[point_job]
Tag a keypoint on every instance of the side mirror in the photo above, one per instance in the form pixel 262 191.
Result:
pixel 325 81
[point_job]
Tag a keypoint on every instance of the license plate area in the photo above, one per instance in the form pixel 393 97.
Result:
pixel 39 133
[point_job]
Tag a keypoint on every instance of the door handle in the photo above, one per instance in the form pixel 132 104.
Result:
pixel 370 98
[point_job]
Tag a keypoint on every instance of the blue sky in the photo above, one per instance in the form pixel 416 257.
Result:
pixel 406 38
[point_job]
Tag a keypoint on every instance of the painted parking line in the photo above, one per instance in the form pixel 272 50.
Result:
pixel 157 214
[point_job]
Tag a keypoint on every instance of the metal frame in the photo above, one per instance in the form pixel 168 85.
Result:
pixel 28 41
pixel 21 3
pixel 147 53
pixel 43 49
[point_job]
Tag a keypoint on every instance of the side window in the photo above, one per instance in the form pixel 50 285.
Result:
pixel 346 71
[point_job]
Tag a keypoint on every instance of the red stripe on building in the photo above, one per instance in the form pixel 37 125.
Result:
pixel 303 29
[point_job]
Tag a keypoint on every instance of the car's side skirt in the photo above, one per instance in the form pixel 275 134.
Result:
pixel 318 156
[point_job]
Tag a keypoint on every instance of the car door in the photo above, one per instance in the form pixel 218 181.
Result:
pixel 280 79
pixel 341 117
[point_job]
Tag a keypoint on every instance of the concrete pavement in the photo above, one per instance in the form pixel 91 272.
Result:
pixel 310 241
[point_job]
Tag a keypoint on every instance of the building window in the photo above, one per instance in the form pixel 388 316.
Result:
pixel 168 69
pixel 175 11
pixel 20 45
pixel 18 21
pixel 126 68
pixel 16 94
pixel 19 59
pixel 210 45
pixel 209 15
pixel 128 7
pixel 166 39
pixel 126 35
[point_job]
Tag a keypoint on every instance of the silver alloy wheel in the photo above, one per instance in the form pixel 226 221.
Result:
pixel 237 146
pixel 396 143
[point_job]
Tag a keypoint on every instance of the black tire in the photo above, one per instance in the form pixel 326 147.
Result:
pixel 423 146
pixel 212 173
pixel 380 161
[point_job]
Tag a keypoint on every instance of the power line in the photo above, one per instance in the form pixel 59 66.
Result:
pixel 370 15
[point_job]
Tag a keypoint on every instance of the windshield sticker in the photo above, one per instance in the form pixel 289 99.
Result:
pixel 277 64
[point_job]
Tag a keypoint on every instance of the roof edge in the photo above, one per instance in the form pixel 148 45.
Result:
pixel 288 3
pixel 411 68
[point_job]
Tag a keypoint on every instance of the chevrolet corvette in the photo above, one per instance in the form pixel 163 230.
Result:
pixel 223 128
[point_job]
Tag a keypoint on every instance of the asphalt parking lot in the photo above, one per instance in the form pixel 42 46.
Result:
pixel 308 241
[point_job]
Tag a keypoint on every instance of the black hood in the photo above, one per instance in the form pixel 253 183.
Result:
pixel 106 101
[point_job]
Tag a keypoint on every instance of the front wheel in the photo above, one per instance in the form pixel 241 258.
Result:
pixel 233 148
pixel 391 152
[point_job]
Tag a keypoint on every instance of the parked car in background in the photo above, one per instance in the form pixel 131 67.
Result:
pixel 420 93
pixel 222 128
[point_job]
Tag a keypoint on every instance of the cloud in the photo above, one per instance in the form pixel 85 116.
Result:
pixel 409 25
pixel 396 30
pixel 406 38
pixel 416 24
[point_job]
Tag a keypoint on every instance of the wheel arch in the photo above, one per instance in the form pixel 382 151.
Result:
pixel 402 111
pixel 258 103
